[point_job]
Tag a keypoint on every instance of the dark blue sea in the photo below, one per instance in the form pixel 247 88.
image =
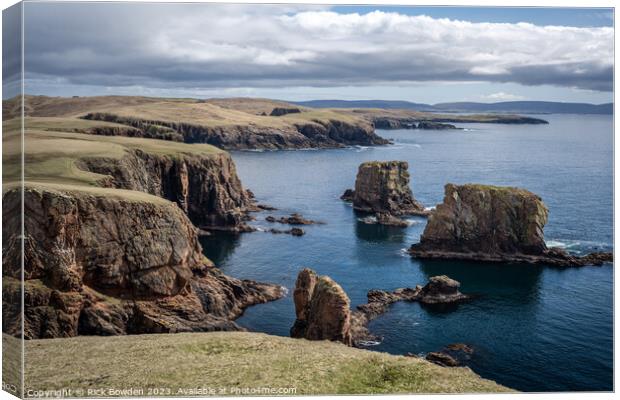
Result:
pixel 533 328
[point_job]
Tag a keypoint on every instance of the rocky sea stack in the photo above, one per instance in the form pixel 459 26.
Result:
pixel 493 223
pixel 322 309
pixel 382 187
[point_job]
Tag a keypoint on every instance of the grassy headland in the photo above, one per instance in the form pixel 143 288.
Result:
pixel 236 360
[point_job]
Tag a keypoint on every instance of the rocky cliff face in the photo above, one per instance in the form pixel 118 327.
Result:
pixel 106 265
pixel 382 187
pixel 206 188
pixel 313 134
pixel 492 223
pixel 322 309
pixel 409 123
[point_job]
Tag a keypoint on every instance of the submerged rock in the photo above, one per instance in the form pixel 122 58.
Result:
pixel 322 309
pixel 493 223
pixel 382 187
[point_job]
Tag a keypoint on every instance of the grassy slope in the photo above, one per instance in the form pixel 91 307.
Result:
pixel 51 156
pixel 236 359
pixel 212 113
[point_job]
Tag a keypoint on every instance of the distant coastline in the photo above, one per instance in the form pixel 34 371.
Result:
pixel 521 107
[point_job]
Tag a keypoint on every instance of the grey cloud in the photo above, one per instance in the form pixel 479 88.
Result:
pixel 206 46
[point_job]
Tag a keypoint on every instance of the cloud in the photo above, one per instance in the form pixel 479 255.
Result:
pixel 227 46
pixel 501 96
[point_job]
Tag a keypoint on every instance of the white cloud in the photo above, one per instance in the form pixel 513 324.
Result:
pixel 269 46
pixel 501 96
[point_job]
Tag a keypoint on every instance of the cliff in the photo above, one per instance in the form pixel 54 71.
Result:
pixel 382 187
pixel 297 133
pixel 106 265
pixel 492 223
pixel 206 188
pixel 109 248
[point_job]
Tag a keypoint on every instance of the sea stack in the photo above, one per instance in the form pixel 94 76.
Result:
pixel 322 309
pixel 493 223
pixel 382 187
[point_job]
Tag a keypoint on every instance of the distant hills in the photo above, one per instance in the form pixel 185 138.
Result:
pixel 521 107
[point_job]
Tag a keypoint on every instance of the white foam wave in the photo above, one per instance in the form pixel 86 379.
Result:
pixel 368 220
pixel 368 343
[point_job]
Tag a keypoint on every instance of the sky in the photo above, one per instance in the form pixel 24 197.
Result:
pixel 297 52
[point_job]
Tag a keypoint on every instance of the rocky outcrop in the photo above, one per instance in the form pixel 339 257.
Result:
pixel 322 309
pixel 453 355
pixel 382 187
pixel 292 231
pixel 110 265
pixel 409 123
pixel 441 290
pixel 205 187
pixel 293 219
pixel 311 134
pixel 435 126
pixel 279 111
pixel 492 223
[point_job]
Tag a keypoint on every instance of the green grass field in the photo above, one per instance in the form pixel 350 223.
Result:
pixel 51 156
pixel 235 360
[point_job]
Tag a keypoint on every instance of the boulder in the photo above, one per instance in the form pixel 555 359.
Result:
pixel 441 290
pixel 493 223
pixel 322 309
pixel 383 187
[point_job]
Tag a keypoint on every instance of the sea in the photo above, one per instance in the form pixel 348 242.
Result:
pixel 532 328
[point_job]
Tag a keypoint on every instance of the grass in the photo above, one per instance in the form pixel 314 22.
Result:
pixel 236 360
pixel 52 157
pixel 11 363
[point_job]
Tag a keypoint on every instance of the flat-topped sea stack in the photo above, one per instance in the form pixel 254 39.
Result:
pixel 382 187
pixel 493 223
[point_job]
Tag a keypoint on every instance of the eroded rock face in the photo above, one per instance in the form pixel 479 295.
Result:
pixel 314 134
pixel 382 187
pixel 322 309
pixel 493 223
pixel 206 188
pixel 108 266
pixel 488 219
